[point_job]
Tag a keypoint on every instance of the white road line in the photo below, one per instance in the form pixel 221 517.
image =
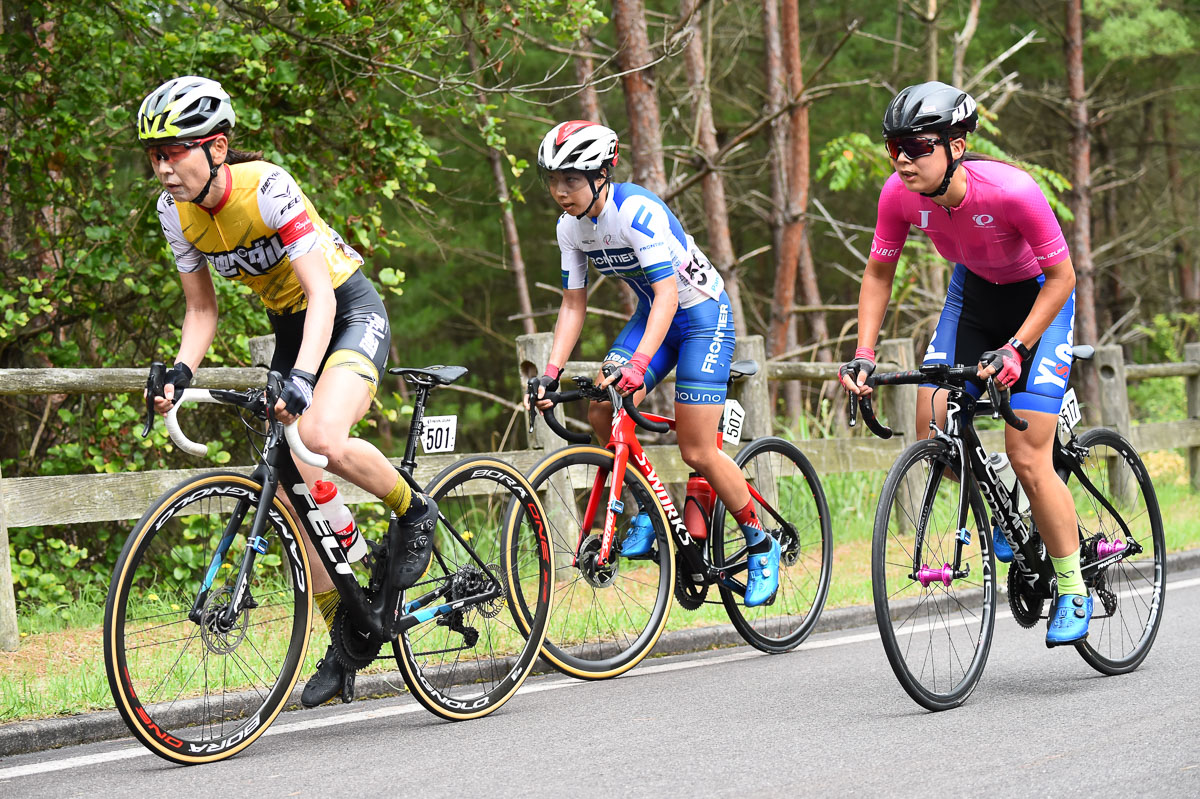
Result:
pixel 387 712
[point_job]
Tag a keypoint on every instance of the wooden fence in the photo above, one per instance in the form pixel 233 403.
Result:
pixel 72 499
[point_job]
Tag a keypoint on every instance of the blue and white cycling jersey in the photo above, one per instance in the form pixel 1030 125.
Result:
pixel 638 239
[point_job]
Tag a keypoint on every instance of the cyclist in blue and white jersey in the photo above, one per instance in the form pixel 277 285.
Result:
pixel 682 321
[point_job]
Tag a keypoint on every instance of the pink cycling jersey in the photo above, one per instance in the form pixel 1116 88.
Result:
pixel 1003 231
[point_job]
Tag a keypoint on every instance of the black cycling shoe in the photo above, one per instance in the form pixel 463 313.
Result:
pixel 332 678
pixel 411 542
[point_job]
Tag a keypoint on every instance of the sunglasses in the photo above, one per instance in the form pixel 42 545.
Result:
pixel 174 152
pixel 913 146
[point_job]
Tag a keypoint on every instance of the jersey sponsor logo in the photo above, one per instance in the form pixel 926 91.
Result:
pixel 257 259
pixel 1053 371
pixel 887 252
pixel 297 228
pixel 983 220
pixel 1057 252
pixel 924 220
pixel 613 259
pixel 699 397
pixel 607 240
pixel 714 348
pixel 266 184
pixel 641 221
pixel 375 333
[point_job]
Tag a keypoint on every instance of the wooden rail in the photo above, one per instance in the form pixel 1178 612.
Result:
pixel 89 498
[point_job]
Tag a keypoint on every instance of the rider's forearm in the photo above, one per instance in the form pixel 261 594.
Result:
pixel 199 330
pixel 873 300
pixel 313 272
pixel 568 327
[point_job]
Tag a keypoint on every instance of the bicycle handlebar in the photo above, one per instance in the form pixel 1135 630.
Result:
pixel 586 390
pixel 291 432
pixel 955 375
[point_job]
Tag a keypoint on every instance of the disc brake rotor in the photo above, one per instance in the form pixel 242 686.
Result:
pixel 217 637
pixel 593 573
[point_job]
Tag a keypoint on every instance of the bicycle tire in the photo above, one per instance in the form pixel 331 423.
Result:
pixel 931 669
pixel 1119 641
pixel 180 683
pixel 586 639
pixel 468 662
pixel 784 477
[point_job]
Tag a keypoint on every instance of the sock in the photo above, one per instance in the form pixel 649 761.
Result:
pixel 327 604
pixel 1070 579
pixel 747 519
pixel 400 497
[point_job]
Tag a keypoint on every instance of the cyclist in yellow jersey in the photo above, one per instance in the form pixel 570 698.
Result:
pixel 250 221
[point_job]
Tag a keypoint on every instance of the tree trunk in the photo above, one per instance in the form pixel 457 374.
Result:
pixel 507 220
pixel 962 40
pixel 720 243
pixel 1086 331
pixel 1189 289
pixel 785 281
pixel 931 40
pixel 641 103
pixel 589 100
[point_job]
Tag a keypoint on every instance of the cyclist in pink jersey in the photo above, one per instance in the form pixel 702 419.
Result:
pixel 1010 305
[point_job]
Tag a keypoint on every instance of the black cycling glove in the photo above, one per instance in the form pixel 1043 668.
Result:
pixel 298 391
pixel 180 375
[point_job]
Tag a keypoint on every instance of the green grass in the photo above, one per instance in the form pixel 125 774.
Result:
pixel 59 668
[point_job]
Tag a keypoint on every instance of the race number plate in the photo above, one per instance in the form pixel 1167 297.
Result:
pixel 701 274
pixel 437 433
pixel 735 416
pixel 1069 416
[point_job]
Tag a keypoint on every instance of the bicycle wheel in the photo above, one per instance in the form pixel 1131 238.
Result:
pixel 467 662
pixel 192 687
pixel 1129 593
pixel 606 619
pixel 936 634
pixel 788 483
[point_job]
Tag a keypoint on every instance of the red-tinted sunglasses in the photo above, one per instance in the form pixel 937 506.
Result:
pixel 913 146
pixel 173 152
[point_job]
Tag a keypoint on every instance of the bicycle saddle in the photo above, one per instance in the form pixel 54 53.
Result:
pixel 441 375
pixel 742 369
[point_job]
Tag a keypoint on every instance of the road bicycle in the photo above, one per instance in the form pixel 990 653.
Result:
pixel 610 610
pixel 932 562
pixel 208 615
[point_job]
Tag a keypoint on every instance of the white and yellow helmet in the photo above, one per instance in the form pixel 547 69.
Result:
pixel 184 109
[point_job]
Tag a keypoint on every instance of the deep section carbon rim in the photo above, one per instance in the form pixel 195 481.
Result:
pixel 787 481
pixel 194 682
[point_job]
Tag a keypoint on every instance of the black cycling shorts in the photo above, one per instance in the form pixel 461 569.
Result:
pixel 361 334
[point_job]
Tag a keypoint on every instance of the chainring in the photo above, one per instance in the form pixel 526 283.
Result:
pixel 354 648
pixel 689 595
pixel 1026 605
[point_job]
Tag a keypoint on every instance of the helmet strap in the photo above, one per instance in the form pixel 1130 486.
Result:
pixel 954 162
pixel 212 173
pixel 595 194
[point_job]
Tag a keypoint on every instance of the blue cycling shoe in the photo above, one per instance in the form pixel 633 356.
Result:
pixel 762 576
pixel 1069 621
pixel 1000 546
pixel 639 537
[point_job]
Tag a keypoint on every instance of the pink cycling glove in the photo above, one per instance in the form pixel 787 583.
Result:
pixel 1007 362
pixel 633 373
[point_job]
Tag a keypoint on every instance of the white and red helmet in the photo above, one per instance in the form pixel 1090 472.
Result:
pixel 578 144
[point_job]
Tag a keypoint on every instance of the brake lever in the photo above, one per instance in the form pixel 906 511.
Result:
pixel 155 383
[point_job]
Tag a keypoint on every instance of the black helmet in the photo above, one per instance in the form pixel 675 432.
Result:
pixel 929 107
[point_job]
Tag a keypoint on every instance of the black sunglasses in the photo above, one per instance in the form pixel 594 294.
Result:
pixel 913 146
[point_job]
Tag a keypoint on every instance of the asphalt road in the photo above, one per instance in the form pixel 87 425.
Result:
pixel 827 719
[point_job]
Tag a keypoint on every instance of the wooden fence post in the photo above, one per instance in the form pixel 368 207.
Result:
pixel 9 637
pixel 898 404
pixel 533 351
pixel 261 350
pixel 752 392
pixel 1114 410
pixel 1191 352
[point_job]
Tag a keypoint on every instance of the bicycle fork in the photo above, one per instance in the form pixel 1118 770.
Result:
pixel 946 573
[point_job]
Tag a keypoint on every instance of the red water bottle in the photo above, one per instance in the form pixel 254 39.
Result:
pixel 330 503
pixel 697 506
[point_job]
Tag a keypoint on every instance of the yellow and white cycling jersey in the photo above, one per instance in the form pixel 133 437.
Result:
pixel 263 221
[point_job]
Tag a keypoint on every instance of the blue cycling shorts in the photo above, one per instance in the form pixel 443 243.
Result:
pixel 980 315
pixel 699 346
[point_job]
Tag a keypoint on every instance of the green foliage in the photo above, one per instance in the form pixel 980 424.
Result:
pixel 1161 341
pixel 1138 29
